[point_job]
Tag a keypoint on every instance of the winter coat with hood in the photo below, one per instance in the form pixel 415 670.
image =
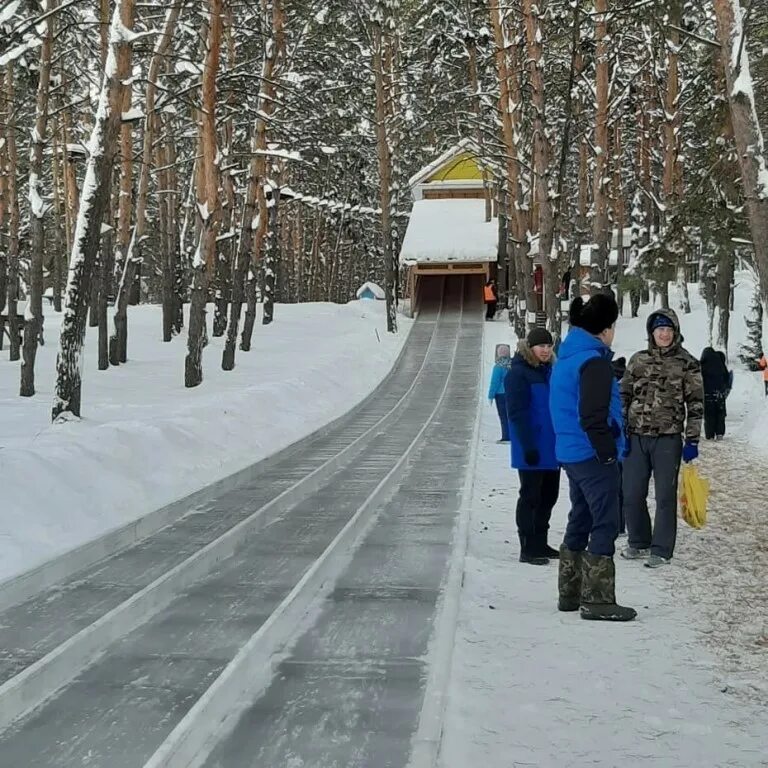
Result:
pixel 500 368
pixel 585 401
pixel 662 391
pixel 527 392
pixel 714 374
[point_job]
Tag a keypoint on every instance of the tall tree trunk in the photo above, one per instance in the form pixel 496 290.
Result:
pixel 13 222
pixel 601 226
pixel 104 278
pixel 673 168
pixel 617 193
pixel 131 245
pixel 208 208
pixel 724 291
pixel 541 164
pixel 4 108
pixel 747 132
pixel 251 239
pixel 95 198
pixel 225 254
pixel 59 184
pixel 271 257
pixel 509 88
pixel 380 40
pixel 33 320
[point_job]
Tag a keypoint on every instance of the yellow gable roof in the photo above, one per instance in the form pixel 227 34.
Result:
pixel 463 167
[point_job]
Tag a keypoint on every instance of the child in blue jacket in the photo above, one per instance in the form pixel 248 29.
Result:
pixel 496 388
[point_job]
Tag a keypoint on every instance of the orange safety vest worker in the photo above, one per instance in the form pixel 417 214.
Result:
pixel 489 294
pixel 764 365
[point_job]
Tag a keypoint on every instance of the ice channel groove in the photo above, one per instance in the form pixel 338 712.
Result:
pixel 215 713
pixel 37 682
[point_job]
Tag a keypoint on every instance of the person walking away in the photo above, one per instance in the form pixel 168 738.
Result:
pixel 730 384
pixel 717 385
pixel 586 414
pixel 663 400
pixel 491 299
pixel 496 387
pixel 533 444
pixel 763 363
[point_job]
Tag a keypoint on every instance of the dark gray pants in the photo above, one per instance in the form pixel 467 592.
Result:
pixel 660 457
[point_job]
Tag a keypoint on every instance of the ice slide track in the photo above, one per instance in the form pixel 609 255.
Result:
pixel 142 648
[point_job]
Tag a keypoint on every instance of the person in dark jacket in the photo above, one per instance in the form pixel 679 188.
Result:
pixel 717 385
pixel 526 389
pixel 587 418
pixel 496 387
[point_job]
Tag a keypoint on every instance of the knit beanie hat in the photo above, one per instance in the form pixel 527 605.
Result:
pixel 595 315
pixel 661 321
pixel 538 336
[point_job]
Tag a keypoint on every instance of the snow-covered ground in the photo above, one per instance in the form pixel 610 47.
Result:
pixel 685 684
pixel 146 441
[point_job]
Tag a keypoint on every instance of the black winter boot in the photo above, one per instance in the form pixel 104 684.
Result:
pixel 528 553
pixel 598 590
pixel 547 551
pixel 569 580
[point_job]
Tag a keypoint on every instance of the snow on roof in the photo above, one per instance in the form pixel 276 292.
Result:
pixel 449 230
pixel 376 290
pixel 435 165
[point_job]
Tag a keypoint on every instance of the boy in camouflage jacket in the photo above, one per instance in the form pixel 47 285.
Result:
pixel 663 399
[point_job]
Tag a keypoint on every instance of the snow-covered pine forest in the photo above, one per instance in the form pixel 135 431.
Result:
pixel 224 154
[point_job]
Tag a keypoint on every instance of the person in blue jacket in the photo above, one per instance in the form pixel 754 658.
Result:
pixel 496 388
pixel 589 429
pixel 533 444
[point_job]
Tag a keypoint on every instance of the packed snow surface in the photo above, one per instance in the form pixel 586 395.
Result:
pixel 146 441
pixel 685 684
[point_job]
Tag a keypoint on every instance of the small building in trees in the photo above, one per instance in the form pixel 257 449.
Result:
pixel 453 229
pixel 370 292
pixel 623 259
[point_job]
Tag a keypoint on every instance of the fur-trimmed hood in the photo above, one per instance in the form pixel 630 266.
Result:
pixel 526 354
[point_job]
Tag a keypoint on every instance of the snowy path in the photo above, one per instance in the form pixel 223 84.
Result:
pixel 723 569
pixel 533 687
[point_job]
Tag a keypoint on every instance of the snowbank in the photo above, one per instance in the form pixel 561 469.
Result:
pixel 146 441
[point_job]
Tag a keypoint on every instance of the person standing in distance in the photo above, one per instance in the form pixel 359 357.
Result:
pixel 526 388
pixel 586 414
pixel 491 299
pixel 717 385
pixel 663 399
pixel 501 365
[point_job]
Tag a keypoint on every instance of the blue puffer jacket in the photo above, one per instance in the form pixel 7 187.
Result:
pixel 573 444
pixel 496 386
pixel 526 387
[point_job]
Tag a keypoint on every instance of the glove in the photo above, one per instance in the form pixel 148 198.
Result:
pixel 532 458
pixel 690 451
pixel 627 446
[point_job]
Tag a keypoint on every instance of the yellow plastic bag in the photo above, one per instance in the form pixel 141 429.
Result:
pixel 693 497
